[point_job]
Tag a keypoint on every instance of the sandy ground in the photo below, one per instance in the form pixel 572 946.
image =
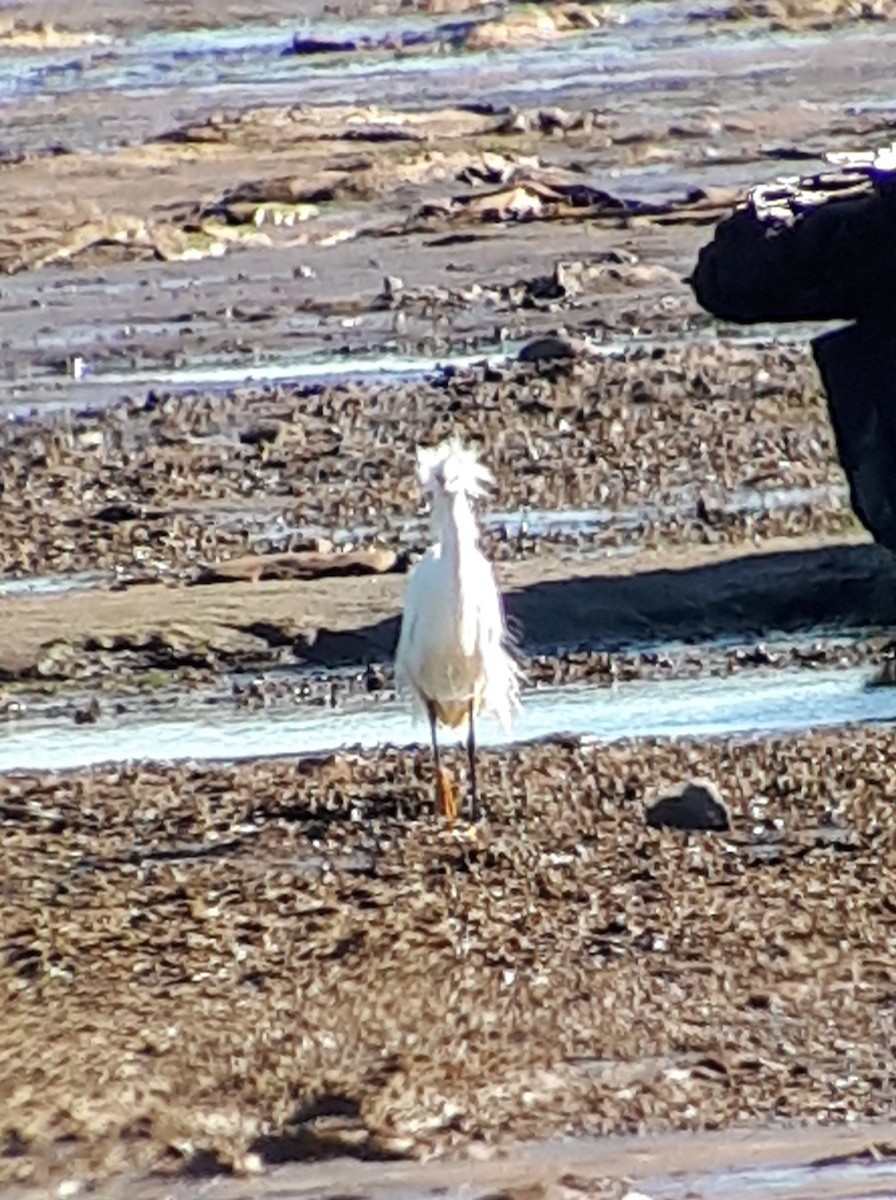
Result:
pixel 240 968
pixel 782 586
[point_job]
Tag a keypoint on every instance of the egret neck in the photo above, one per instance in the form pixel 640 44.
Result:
pixel 458 531
pixel 458 535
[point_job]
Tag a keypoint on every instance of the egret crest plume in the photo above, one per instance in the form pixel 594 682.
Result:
pixel 451 468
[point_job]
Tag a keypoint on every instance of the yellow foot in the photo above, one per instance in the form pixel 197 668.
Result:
pixel 446 795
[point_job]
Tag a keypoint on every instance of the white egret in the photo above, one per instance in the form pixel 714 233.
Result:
pixel 452 652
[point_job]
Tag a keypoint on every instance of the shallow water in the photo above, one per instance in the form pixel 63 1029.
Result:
pixel 65 340
pixel 582 526
pixel 541 522
pixel 252 54
pixel 748 703
pixel 52 585
pixel 41 389
pixel 857 1180
pixel 307 368
pixel 103 388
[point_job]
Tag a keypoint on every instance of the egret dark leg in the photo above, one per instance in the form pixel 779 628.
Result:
pixel 431 711
pixel 471 759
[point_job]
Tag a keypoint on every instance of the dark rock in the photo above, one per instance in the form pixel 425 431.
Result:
pixel 89 715
pixel 815 250
pixel 116 514
pixel 858 370
pixel 549 348
pixel 312 45
pixel 818 249
pixel 374 678
pixel 695 806
pixel 261 435
pixel 885 675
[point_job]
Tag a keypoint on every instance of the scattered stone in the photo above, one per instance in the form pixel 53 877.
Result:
pixel 696 806
pixel 885 676
pixel 550 348
pixel 89 715
pixel 69 1188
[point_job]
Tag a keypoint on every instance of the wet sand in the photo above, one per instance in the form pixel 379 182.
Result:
pixel 233 968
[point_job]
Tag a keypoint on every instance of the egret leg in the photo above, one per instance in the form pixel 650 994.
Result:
pixel 446 798
pixel 431 712
pixel 471 759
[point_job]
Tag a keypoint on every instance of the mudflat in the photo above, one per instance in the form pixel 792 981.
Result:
pixel 249 262
pixel 206 964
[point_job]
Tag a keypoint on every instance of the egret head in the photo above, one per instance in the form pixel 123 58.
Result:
pixel 451 469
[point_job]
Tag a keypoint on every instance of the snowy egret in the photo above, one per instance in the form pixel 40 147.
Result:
pixel 452 652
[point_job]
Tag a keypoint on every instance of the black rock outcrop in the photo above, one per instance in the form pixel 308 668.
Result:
pixel 817 249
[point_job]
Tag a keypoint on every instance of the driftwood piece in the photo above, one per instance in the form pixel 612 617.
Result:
pixel 301 564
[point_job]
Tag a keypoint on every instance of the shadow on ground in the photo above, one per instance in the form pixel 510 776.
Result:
pixel 846 586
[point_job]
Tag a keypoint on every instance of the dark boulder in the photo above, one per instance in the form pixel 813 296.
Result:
pixel 858 370
pixel 819 249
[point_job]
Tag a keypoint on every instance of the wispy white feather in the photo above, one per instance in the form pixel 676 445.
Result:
pixel 451 468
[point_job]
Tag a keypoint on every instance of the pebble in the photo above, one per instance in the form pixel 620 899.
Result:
pixel 695 806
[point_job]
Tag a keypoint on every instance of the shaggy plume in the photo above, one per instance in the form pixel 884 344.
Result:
pixel 451 468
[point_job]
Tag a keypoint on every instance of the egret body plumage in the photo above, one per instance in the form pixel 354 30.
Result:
pixel 452 652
